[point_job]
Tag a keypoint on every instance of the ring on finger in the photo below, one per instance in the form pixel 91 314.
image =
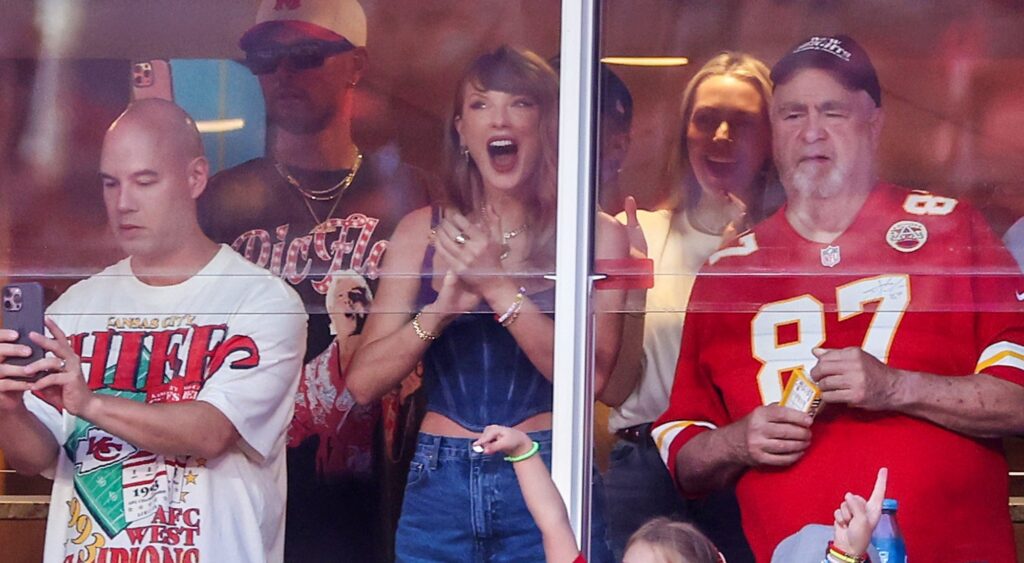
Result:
pixel 460 238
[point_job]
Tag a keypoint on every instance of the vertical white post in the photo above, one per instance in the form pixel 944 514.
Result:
pixel 573 383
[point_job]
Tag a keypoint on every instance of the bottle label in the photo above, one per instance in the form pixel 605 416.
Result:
pixel 896 555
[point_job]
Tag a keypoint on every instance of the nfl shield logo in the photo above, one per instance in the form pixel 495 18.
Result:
pixel 830 256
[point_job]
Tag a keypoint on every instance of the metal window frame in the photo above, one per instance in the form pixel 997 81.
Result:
pixel 572 425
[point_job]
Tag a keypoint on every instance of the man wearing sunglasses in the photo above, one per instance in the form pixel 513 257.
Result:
pixel 317 207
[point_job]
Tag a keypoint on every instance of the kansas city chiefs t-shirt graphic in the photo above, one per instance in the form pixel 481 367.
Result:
pixel 119 483
pixel 232 337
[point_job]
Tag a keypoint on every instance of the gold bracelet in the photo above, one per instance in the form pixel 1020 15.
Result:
pixel 423 334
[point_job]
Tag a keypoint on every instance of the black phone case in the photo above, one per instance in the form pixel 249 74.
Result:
pixel 23 312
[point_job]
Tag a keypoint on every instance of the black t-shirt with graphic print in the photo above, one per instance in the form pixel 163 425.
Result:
pixel 254 208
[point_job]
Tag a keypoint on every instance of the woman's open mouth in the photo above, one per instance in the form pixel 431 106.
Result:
pixel 504 154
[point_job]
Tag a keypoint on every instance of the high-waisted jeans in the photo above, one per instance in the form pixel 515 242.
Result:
pixel 461 506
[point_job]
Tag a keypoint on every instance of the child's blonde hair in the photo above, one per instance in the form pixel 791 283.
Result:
pixel 676 542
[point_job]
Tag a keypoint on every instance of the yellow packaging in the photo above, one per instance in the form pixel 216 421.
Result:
pixel 801 393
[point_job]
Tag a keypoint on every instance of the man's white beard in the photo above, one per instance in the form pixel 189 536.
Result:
pixel 808 184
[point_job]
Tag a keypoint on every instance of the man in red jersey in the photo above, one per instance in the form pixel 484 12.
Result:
pixel 902 306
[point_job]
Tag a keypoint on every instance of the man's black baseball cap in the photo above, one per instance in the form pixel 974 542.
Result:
pixel 839 55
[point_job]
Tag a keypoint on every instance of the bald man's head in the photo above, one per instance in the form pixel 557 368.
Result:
pixel 174 129
pixel 152 169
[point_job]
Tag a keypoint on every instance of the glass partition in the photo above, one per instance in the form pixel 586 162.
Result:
pixel 331 133
pixel 712 163
pixel 435 186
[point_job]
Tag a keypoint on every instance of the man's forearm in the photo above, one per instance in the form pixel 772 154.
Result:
pixel 978 405
pixel 712 460
pixel 183 428
pixel 28 446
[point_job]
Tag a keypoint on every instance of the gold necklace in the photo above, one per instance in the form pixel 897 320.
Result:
pixel 335 191
pixel 322 195
pixel 506 249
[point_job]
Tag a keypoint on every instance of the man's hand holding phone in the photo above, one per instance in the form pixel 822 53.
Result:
pixel 61 382
pixel 13 378
pixel 64 385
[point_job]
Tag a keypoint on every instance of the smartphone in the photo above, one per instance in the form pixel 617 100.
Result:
pixel 152 79
pixel 23 312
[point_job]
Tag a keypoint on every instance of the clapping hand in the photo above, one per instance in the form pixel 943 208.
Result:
pixel 472 250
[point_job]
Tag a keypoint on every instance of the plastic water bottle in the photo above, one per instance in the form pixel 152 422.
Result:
pixel 887 538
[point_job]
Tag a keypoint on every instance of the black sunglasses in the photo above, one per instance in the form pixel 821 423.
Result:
pixel 301 56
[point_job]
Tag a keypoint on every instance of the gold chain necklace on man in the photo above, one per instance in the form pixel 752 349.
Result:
pixel 334 192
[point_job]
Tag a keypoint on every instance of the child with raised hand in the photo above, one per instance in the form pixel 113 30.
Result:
pixel 539 492
pixel 662 540
pixel 848 540
pixel 855 519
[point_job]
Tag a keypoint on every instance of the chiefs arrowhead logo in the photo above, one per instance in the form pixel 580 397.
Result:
pixel 100 449
pixel 906 236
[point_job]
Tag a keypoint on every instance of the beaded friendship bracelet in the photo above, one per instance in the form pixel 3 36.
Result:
pixel 833 553
pixel 512 313
pixel 532 452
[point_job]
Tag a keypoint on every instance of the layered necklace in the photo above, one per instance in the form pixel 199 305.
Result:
pixel 334 192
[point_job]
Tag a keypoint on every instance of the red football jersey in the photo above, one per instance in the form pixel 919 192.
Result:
pixel 920 282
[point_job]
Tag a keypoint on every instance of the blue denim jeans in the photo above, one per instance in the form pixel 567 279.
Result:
pixel 638 487
pixel 461 506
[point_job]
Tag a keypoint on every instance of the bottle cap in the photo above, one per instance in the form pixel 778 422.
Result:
pixel 890 504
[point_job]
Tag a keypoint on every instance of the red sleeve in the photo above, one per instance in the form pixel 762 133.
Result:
pixel 695 404
pixel 303 425
pixel 998 293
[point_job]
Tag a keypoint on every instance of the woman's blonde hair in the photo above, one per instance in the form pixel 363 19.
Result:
pixel 675 542
pixel 728 63
pixel 513 71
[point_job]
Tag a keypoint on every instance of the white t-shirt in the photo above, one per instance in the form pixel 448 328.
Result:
pixel 678 251
pixel 233 336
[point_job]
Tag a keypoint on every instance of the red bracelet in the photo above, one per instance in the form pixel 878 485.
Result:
pixel 848 557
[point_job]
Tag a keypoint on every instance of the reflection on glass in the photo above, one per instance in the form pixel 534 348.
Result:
pixel 947 85
pixel 723 171
pixel 950 73
pixel 855 284
pixel 484 326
